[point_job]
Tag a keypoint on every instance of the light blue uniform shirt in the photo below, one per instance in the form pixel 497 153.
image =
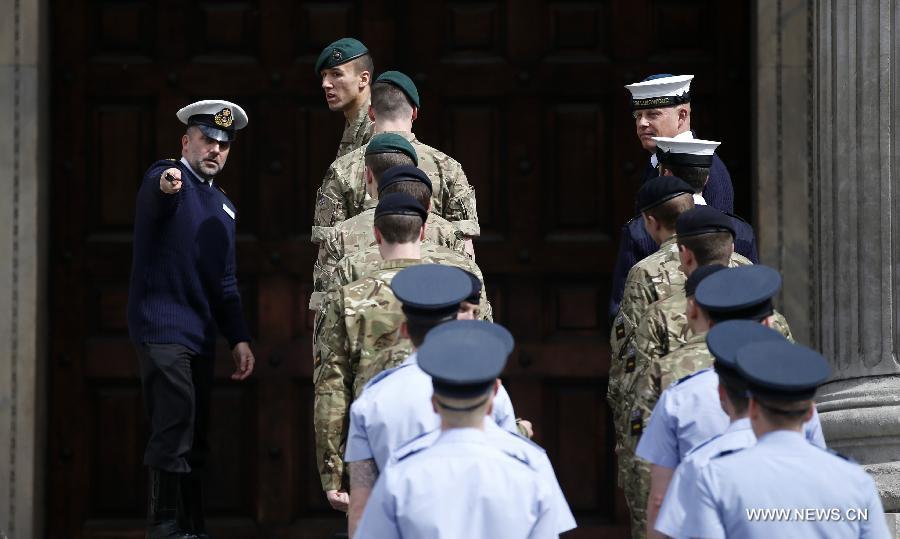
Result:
pixel 461 487
pixel 814 494
pixel 559 513
pixel 687 413
pixel 683 487
pixel 395 407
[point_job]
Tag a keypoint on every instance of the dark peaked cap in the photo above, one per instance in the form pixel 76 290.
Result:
pixel 403 173
pixel 431 291
pixel 781 370
pixel 400 204
pixel 463 360
pixel 742 292
pixel 703 220
pixel 725 339
pixel 499 331
pixel 661 189
pixel 697 276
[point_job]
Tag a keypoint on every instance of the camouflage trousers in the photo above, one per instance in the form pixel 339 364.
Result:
pixel 634 477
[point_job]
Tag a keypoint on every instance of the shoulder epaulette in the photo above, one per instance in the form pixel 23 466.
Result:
pixel 688 377
pixel 219 187
pixel 726 453
pixel 839 455
pixel 518 436
pixel 519 456
pixel 413 445
pixel 412 451
pixel 701 444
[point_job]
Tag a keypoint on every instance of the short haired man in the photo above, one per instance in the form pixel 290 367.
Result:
pixel 183 287
pixel 782 470
pixel 462 485
pixel 355 234
pixel 346 69
pixel 688 413
pixel 394 406
pixel 661 106
pixel 395 106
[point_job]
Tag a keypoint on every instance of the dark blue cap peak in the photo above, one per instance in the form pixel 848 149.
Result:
pixel 744 292
pixel 403 173
pixel 697 276
pixel 463 358
pixel 703 220
pixel 661 189
pixel 431 291
pixel 725 339
pixel 658 76
pixel 781 370
pixel 499 331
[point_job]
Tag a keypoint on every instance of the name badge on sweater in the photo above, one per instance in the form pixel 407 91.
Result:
pixel 228 210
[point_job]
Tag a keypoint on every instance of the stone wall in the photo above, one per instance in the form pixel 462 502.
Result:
pixel 23 244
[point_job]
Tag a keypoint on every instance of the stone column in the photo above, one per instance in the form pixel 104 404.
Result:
pixel 857 171
pixel 828 165
pixel 23 241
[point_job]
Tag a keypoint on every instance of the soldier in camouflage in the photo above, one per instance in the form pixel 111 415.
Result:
pixel 346 69
pixel 357 322
pixel 355 234
pixel 395 105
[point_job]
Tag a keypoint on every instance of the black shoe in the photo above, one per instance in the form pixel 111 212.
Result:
pixel 190 506
pixel 161 507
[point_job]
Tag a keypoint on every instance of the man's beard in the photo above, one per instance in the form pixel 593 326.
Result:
pixel 207 170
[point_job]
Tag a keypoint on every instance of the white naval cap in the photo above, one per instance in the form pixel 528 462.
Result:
pixel 660 91
pixel 690 152
pixel 217 118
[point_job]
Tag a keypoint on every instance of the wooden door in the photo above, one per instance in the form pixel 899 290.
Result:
pixel 527 95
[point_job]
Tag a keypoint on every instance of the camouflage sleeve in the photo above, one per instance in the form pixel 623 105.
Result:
pixel 330 253
pixel 330 205
pixel 460 208
pixel 621 360
pixel 333 383
pixel 645 391
pixel 638 295
pixel 635 373
pixel 780 324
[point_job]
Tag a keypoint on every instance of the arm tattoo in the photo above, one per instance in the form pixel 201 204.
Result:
pixel 363 474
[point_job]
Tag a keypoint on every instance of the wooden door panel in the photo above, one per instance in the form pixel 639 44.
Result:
pixel 528 96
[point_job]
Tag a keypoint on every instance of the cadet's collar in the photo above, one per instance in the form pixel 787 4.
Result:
pixel 361 114
pixel 196 176
pixel 399 263
pixel 781 438
pixel 739 424
pixel 411 359
pixel 408 135
pixel 697 337
pixel 453 436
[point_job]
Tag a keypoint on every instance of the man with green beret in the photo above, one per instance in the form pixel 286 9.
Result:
pixel 395 106
pixel 357 322
pixel 392 157
pixel 346 69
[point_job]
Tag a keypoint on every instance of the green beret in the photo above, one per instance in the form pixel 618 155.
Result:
pixel 340 52
pixel 391 143
pixel 403 82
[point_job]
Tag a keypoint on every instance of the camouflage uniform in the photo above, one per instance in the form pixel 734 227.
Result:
pixel 358 265
pixel 357 322
pixel 343 192
pixel 357 132
pixel 355 234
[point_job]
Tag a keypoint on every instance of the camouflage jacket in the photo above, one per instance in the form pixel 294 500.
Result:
pixel 357 132
pixel 357 322
pixel 652 278
pixel 343 191
pixel 355 234
pixel 359 264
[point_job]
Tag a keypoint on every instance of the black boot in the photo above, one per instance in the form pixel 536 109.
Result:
pixel 190 507
pixel 161 507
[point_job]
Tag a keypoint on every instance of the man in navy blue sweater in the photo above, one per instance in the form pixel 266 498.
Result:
pixel 662 108
pixel 183 287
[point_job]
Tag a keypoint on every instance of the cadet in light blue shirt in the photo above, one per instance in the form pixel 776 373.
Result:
pixel 462 486
pixel 783 486
pixel 395 405
pixel 688 412
pixel 723 342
